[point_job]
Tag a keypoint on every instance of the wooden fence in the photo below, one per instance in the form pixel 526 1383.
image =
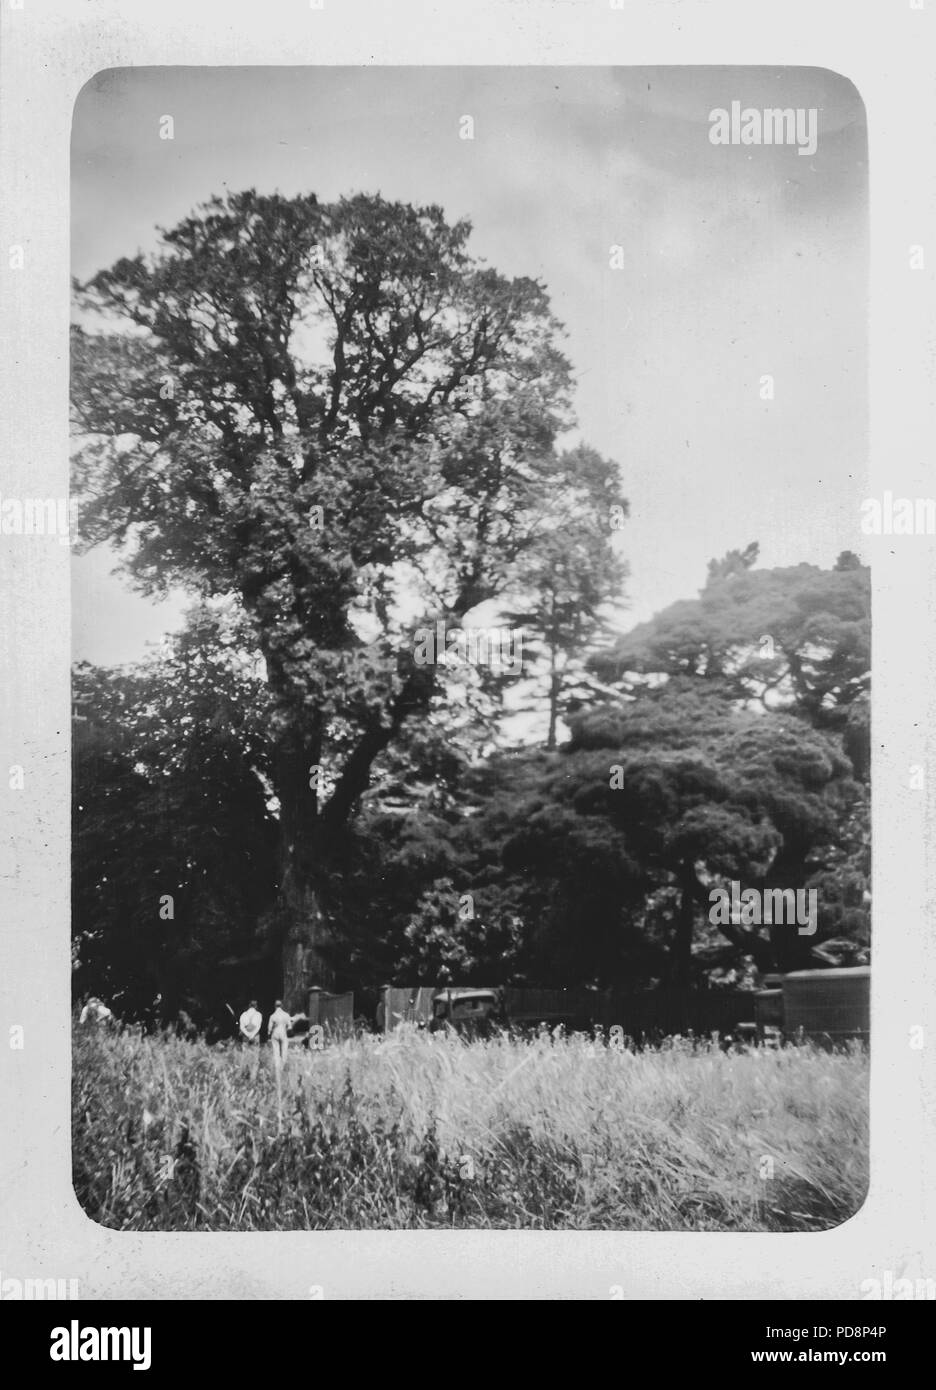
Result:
pixel 333 1012
pixel 410 1005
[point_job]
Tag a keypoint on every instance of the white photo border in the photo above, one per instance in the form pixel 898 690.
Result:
pixel 49 50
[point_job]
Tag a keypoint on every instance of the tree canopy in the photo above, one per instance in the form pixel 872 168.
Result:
pixel 334 415
pixel 797 637
pixel 333 427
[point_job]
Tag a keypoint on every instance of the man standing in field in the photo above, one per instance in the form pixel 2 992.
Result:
pixel 278 1026
pixel 96 1013
pixel 249 1023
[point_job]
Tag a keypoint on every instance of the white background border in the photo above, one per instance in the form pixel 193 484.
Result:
pixel 50 48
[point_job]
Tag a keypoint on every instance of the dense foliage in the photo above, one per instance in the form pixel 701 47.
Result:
pixel 333 417
pixel 333 427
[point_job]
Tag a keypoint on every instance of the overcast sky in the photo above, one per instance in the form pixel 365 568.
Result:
pixel 739 261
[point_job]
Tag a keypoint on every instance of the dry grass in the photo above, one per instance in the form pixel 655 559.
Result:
pixel 418 1131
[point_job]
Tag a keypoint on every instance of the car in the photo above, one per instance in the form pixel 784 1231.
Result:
pixel 473 1012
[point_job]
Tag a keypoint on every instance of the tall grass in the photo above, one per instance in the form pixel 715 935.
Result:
pixel 418 1131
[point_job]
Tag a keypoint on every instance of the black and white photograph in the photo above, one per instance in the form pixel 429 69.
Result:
pixel 470 539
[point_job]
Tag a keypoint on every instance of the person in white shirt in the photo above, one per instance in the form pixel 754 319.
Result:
pixel 278 1026
pixel 250 1022
pixel 96 1012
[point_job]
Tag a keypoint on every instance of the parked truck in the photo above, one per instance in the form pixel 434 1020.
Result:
pixel 826 1006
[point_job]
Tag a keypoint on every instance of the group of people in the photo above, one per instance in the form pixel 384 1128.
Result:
pixel 278 1026
pixel 96 1014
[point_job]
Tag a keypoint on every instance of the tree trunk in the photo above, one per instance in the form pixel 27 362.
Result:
pixel 681 949
pixel 790 950
pixel 305 937
pixel 555 685
pixel 300 915
pixel 310 832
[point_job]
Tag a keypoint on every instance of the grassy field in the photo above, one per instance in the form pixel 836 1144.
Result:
pixel 418 1131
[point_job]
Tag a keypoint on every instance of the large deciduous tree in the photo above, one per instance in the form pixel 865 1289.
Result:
pixel 334 414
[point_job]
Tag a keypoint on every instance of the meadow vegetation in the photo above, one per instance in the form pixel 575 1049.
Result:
pixel 431 1131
